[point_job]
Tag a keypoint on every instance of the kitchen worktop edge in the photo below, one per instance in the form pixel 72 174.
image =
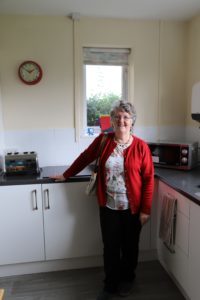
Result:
pixel 185 182
pixel 43 177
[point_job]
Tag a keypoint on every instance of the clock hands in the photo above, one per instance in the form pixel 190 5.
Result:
pixel 29 71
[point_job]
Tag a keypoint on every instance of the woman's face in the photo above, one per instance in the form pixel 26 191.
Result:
pixel 122 122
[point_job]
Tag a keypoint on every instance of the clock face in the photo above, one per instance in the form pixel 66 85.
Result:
pixel 30 72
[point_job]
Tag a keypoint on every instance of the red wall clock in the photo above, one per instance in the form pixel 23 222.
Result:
pixel 30 72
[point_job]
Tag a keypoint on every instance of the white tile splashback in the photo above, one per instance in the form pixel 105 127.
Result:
pixel 2 146
pixel 58 146
pixel 54 146
pixel 193 134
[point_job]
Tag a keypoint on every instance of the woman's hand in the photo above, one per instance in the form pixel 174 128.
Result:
pixel 143 218
pixel 58 177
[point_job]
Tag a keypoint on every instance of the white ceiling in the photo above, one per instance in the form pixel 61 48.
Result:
pixel 132 9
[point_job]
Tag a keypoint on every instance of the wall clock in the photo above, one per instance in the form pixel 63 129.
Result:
pixel 30 72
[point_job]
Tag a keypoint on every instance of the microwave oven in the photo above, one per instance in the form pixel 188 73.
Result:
pixel 183 156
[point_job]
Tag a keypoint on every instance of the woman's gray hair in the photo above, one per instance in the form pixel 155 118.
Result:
pixel 124 106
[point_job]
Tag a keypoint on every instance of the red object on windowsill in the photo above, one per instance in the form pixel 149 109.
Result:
pixel 105 123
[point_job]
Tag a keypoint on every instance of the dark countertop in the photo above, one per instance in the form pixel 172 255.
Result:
pixel 44 176
pixel 185 182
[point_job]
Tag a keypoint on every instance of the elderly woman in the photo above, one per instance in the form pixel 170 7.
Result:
pixel 124 191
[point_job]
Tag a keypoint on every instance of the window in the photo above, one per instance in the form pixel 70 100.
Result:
pixel 106 81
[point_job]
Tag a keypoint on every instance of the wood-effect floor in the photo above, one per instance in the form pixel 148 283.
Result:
pixel 152 283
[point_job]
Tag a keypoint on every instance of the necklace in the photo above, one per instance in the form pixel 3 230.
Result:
pixel 123 145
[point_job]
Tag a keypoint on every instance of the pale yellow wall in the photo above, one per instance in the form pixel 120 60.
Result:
pixel 1 131
pixel 172 78
pixel 157 76
pixel 1 113
pixel 193 71
pixel 143 39
pixel 48 41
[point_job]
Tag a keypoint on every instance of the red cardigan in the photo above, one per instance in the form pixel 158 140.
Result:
pixel 138 169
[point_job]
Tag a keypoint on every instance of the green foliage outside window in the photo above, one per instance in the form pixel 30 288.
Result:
pixel 99 105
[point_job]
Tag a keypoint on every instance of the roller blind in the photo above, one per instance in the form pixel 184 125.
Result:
pixel 106 56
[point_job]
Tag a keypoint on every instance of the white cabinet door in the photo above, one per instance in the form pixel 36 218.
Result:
pixel 148 238
pixel 194 252
pixel 71 221
pixel 153 218
pixel 145 237
pixel 21 224
pixel 176 263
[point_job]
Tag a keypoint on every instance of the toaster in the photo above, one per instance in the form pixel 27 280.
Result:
pixel 25 163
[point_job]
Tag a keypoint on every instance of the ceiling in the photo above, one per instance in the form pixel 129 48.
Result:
pixel 131 9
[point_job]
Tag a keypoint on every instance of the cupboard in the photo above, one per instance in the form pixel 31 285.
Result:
pixel 42 222
pixel 48 221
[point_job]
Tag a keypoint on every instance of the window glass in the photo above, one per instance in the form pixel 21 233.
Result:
pixel 103 87
pixel 106 81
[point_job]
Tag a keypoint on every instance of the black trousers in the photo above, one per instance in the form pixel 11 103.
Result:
pixel 120 234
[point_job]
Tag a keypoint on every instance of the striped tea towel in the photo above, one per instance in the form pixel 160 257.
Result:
pixel 167 228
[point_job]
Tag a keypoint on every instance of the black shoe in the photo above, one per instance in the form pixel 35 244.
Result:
pixel 126 288
pixel 104 295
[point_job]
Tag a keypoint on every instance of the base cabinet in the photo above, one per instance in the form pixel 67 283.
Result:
pixel 194 252
pixel 46 222
pixel 176 263
pixel 148 241
pixel 21 224
pixel 71 222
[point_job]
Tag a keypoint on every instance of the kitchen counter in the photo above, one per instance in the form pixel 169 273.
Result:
pixel 44 176
pixel 185 182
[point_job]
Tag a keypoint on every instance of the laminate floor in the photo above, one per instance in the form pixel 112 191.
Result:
pixel 152 283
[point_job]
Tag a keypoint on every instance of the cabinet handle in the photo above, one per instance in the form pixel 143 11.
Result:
pixel 35 205
pixel 46 199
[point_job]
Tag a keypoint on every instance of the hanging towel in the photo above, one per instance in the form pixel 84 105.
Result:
pixel 1 294
pixel 168 221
